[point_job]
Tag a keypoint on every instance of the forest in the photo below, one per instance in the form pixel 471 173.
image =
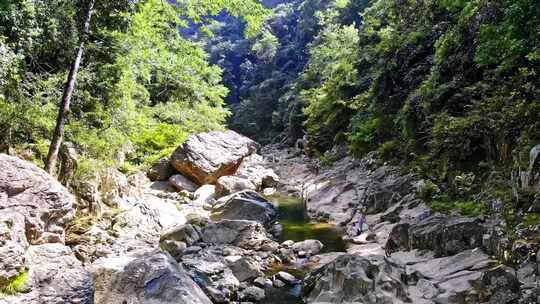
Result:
pixel 434 99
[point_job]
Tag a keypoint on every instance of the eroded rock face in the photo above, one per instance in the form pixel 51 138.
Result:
pixel 245 205
pixel 13 245
pixel 442 234
pixel 55 277
pixel 46 205
pixel 206 157
pixel 153 277
pixel 354 279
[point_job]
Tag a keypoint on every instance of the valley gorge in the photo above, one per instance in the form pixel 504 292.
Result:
pixel 270 152
pixel 155 243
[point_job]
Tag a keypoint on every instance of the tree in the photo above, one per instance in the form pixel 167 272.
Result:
pixel 58 134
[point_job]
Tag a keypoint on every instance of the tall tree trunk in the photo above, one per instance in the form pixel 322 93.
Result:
pixel 58 135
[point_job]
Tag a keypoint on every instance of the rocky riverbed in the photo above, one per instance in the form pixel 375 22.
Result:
pixel 224 221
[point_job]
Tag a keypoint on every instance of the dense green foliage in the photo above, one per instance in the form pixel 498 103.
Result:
pixel 449 89
pixel 143 86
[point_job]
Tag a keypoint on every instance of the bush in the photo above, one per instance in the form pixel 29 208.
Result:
pixel 15 285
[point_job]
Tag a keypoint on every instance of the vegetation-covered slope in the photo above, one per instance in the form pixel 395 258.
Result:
pixel 449 89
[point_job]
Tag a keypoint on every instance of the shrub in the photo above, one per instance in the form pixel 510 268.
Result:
pixel 15 285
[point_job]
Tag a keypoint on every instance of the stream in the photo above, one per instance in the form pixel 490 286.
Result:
pixel 298 227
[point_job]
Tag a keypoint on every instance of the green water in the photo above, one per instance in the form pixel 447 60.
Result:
pixel 298 227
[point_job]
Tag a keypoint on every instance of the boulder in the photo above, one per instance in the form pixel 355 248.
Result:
pixel 180 183
pixel 253 169
pixel 245 205
pixel 113 185
pixel 445 235
pixel 245 269
pixel 205 195
pixel 286 278
pixel 46 205
pixel 206 157
pixel 187 233
pixel 161 170
pixel 355 279
pixel 501 284
pixel 55 276
pixel 309 246
pixel 252 293
pixel 230 184
pixel 241 233
pixel 175 248
pixel 151 277
pixel 212 275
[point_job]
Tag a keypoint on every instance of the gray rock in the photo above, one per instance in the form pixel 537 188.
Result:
pixel 361 280
pixel 175 248
pixel 55 277
pixel 205 195
pixel 12 261
pixel 46 205
pixel 245 205
pixel 161 171
pixel 245 234
pixel 180 183
pixel 152 277
pixel 262 282
pixel 206 157
pixel 187 233
pixel 278 283
pixel 252 293
pixel 443 234
pixel 286 277
pixel 212 275
pixel 501 284
pixel 253 169
pixel 245 269
pixel 308 246
pixel 527 273
pixel 13 245
pixel 287 243
pixel 231 184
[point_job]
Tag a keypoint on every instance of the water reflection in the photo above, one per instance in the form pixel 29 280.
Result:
pixel 297 227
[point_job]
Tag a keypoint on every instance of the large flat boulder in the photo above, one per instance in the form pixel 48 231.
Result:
pixel 245 205
pixel 206 157
pixel 28 190
pixel 355 279
pixel 152 277
pixel 445 235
